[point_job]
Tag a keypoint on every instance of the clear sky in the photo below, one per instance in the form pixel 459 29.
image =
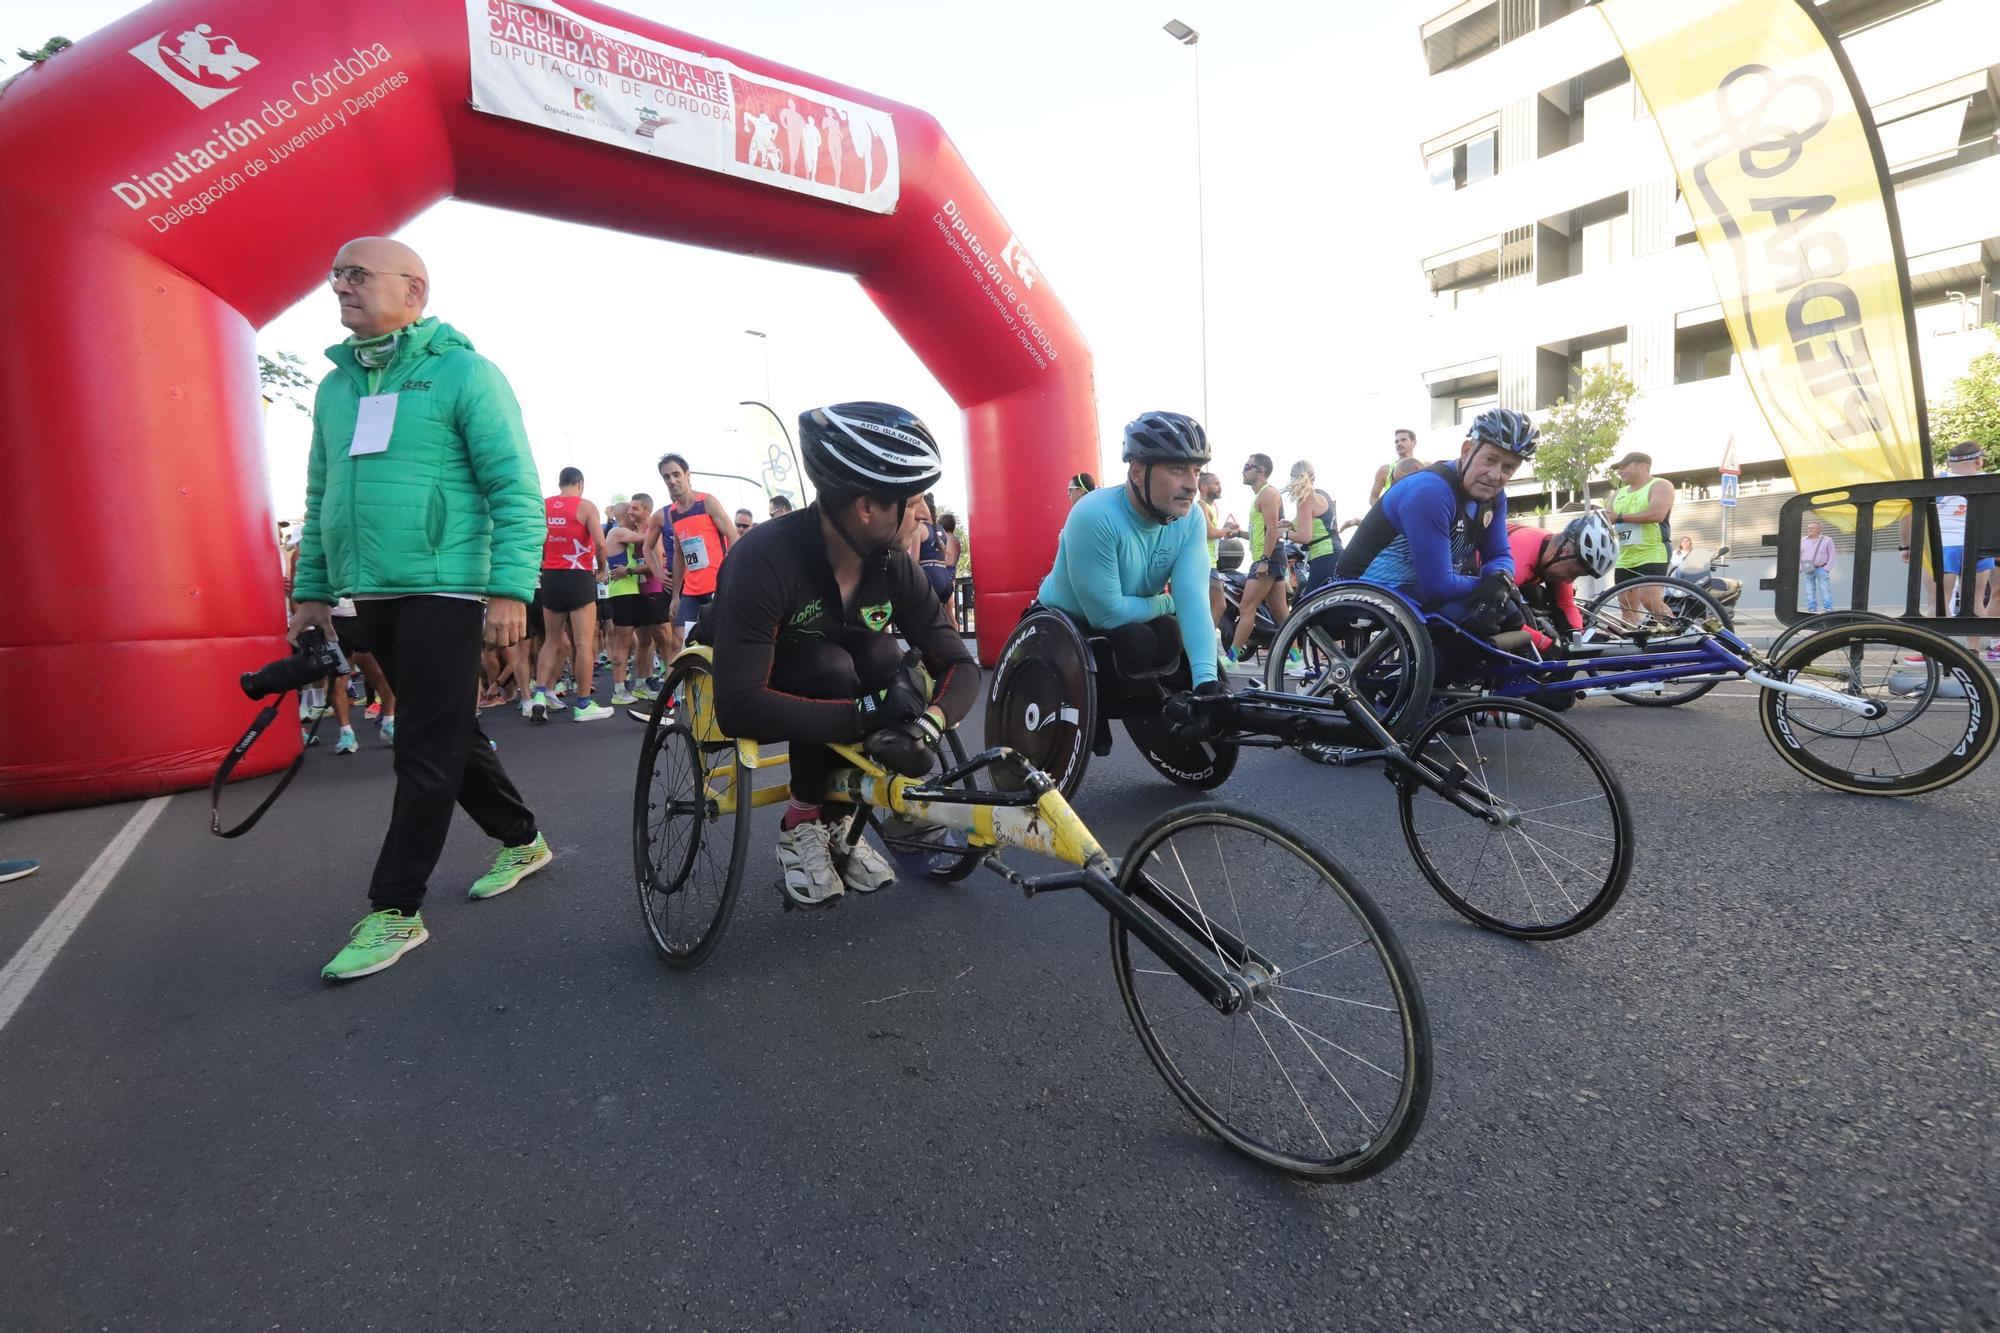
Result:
pixel 1079 121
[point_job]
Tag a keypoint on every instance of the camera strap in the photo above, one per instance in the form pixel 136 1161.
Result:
pixel 265 718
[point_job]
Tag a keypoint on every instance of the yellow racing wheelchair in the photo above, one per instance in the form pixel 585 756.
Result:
pixel 1263 982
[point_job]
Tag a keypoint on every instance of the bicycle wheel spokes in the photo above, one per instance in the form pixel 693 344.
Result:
pixel 1327 1072
pixel 1545 849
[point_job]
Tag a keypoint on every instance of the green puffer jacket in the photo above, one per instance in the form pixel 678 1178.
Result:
pixel 451 506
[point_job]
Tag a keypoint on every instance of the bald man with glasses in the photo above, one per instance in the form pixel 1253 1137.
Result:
pixel 421 505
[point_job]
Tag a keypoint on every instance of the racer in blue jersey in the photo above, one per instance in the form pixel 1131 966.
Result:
pixel 1440 536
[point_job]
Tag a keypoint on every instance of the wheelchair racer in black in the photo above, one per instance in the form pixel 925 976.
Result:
pixel 805 652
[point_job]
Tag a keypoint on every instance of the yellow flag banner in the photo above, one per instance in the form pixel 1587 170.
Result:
pixel 1781 168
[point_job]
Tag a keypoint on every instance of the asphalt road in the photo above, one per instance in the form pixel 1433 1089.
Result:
pixel 1760 1094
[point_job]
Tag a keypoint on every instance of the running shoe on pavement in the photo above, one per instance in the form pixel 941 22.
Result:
pixel 345 742
pixel 589 710
pixel 377 942
pixel 620 698
pixel 536 709
pixel 374 710
pixel 803 855
pixel 555 703
pixel 511 866
pixel 389 729
pixel 19 868
pixel 308 736
pixel 861 866
pixel 645 690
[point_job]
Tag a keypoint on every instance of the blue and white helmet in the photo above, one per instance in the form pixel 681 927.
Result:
pixel 1508 429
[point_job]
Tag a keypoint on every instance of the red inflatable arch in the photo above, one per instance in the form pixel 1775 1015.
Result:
pixel 179 178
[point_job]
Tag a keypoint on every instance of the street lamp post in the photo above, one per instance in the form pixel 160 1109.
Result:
pixel 764 341
pixel 1191 39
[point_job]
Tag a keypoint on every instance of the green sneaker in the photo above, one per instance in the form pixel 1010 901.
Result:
pixel 513 865
pixel 377 942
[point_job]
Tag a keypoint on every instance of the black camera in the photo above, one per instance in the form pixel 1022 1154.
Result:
pixel 315 660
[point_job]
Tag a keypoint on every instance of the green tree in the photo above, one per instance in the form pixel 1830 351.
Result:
pixel 1971 408
pixel 43 52
pixel 1581 432
pixel 285 380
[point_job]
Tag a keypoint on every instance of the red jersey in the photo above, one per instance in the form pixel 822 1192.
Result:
pixel 697 544
pixel 570 544
pixel 1527 546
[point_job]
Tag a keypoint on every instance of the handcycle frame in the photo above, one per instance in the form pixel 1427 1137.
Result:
pixel 1026 811
pixel 1507 675
pixel 710 777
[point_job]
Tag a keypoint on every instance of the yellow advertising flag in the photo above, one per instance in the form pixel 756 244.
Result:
pixel 1781 169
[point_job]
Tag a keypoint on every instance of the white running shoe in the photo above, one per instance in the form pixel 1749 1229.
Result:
pixel 803 855
pixel 861 866
pixel 528 704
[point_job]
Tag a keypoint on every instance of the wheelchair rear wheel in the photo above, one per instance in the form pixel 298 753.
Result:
pixel 691 817
pixel 1365 638
pixel 1694 611
pixel 1043 700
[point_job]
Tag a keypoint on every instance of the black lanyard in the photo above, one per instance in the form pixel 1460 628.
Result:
pixel 265 718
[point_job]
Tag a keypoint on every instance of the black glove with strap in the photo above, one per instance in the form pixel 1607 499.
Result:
pixel 1192 714
pixel 902 701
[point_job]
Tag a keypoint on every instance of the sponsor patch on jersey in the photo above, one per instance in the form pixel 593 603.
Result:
pixel 876 617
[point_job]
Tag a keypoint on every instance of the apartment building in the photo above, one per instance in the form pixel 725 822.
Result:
pixel 1554 237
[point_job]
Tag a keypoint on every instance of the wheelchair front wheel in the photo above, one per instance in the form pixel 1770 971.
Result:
pixel 1546 847
pixel 1935 707
pixel 1327 1073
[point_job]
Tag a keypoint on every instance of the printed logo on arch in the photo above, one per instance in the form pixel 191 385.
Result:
pixel 200 64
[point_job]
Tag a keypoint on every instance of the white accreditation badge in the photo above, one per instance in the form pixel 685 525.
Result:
pixel 372 424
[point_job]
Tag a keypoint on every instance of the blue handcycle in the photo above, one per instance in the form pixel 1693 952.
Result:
pixel 1858 702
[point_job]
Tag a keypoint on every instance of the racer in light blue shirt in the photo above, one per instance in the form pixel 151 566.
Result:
pixel 1123 547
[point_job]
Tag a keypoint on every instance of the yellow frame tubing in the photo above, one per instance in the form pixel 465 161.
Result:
pixel 1049 826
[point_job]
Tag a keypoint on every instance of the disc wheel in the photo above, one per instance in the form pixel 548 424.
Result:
pixel 937 853
pixel 1545 848
pixel 1326 1074
pixel 1366 638
pixel 1198 765
pixel 690 842
pixel 1695 612
pixel 1932 709
pixel 1043 700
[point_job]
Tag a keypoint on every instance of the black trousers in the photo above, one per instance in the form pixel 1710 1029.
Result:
pixel 429 648
pixel 861 662
pixel 1149 645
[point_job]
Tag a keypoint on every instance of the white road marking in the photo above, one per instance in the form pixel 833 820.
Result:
pixel 25 968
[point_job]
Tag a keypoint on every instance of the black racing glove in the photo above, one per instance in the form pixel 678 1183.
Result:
pixel 908 748
pixel 901 702
pixel 1189 712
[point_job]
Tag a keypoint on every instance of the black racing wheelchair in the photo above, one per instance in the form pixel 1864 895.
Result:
pixel 1509 813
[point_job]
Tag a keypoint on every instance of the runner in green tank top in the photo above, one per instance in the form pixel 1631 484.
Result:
pixel 1266 585
pixel 1638 509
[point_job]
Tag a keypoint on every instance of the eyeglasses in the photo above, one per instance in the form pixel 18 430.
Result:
pixel 356 276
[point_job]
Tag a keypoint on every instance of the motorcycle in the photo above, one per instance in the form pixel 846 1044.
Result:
pixel 1727 592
